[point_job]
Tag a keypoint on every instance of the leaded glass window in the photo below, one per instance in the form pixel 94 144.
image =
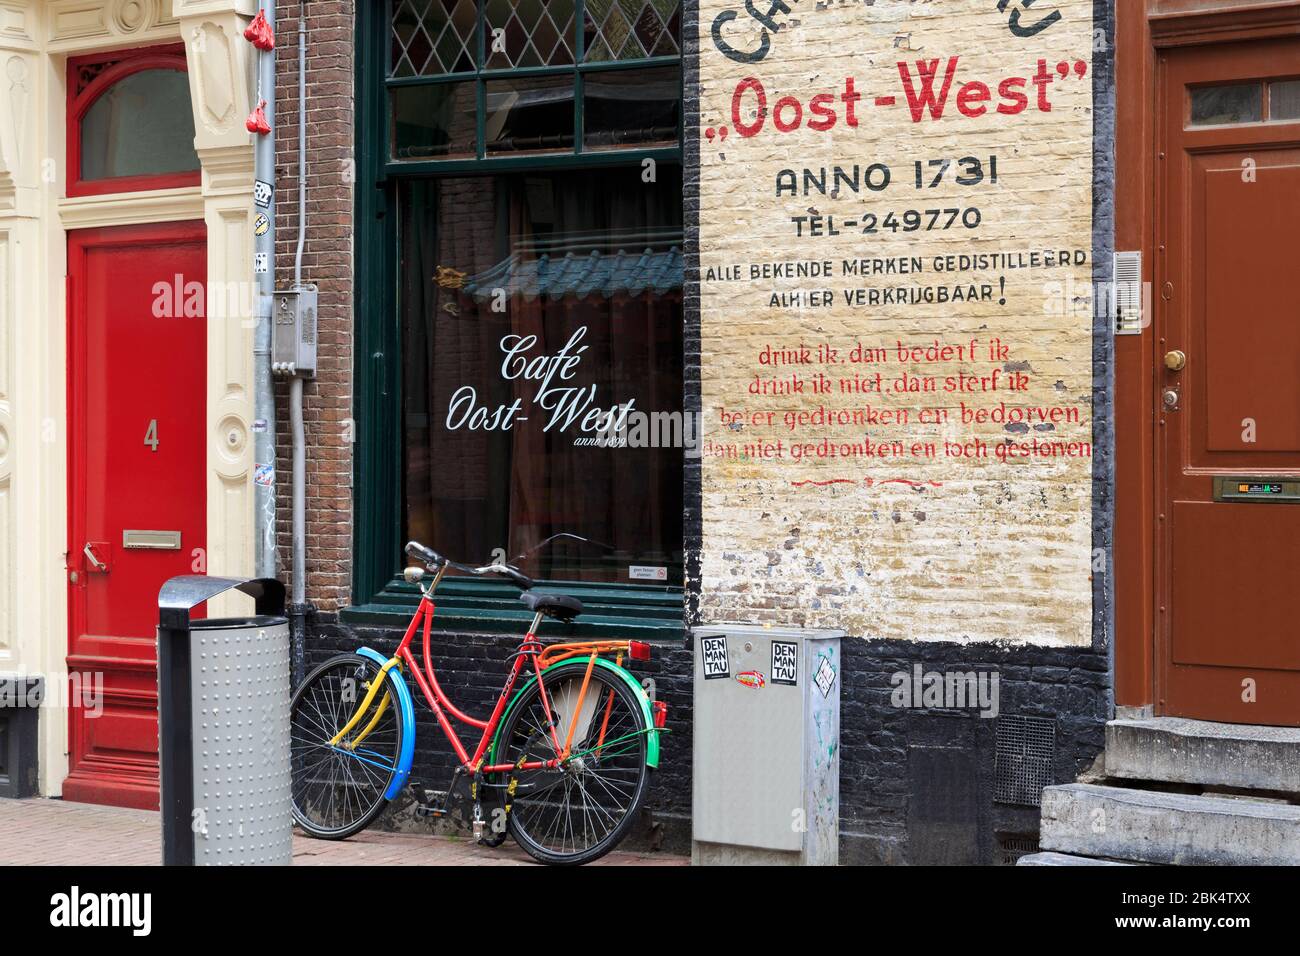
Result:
pixel 481 79
pixel 430 37
pixel 631 29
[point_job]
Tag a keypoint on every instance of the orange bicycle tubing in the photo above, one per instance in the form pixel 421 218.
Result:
pixel 577 708
pixel 555 653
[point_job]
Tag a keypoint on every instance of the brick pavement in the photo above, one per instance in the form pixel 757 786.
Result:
pixel 52 832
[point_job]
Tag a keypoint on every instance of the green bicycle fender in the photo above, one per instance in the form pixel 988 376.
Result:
pixel 652 738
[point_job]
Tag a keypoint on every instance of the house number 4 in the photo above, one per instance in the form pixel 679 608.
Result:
pixel 151 435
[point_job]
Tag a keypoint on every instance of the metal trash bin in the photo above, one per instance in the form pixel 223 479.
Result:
pixel 766 746
pixel 223 726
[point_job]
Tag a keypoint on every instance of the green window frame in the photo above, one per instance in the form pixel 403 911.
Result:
pixel 379 595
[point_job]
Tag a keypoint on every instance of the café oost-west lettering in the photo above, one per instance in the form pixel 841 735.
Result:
pixel 565 405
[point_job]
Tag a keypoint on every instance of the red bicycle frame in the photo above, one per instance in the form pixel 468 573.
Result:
pixel 530 648
pixel 441 704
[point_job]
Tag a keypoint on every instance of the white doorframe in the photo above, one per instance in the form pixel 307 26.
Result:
pixel 36 38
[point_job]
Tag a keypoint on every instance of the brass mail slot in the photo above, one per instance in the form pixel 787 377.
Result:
pixel 1253 489
pixel 152 540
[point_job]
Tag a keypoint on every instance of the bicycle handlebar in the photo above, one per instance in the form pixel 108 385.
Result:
pixel 429 556
pixel 433 559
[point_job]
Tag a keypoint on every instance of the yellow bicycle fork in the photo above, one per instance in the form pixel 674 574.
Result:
pixel 375 685
pixel 337 739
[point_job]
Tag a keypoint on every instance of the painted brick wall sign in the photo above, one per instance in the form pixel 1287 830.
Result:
pixel 896 338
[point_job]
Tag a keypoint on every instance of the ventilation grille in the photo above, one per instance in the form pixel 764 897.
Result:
pixel 1126 293
pixel 1023 760
pixel 1012 846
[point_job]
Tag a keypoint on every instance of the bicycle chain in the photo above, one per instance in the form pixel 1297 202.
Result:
pixel 495 838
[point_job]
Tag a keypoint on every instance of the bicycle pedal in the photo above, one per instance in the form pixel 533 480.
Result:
pixel 428 803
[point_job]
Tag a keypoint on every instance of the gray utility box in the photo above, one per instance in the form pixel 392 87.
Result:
pixel 223 726
pixel 293 334
pixel 767 745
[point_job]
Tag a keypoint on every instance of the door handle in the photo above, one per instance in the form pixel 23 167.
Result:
pixel 1175 359
pixel 96 565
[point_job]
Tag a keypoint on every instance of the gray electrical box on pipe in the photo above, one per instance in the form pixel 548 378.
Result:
pixel 293 337
pixel 767 745
pixel 223 726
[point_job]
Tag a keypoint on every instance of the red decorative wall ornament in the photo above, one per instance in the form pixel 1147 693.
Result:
pixel 259 32
pixel 256 122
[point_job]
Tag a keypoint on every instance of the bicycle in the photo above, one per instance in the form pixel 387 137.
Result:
pixel 562 764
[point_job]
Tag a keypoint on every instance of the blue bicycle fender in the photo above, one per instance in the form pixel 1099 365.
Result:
pixel 406 708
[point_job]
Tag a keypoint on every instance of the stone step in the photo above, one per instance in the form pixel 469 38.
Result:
pixel 1067 859
pixel 1148 826
pixel 1178 750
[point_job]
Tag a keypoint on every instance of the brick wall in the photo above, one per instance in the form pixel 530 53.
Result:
pixel 916 784
pixel 327 262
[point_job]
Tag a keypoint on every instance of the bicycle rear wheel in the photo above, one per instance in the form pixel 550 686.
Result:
pixel 339 790
pixel 578 812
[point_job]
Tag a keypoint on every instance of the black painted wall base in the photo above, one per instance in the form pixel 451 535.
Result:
pixel 918 785
pixel 20 699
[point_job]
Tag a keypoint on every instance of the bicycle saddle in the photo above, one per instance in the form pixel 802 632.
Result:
pixel 559 606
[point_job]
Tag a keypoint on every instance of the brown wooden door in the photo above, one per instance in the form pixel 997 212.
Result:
pixel 1228 442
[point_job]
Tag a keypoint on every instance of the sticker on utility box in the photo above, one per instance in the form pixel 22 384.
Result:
pixel 713 652
pixel 642 572
pixel 785 663
pixel 825 677
pixel 752 679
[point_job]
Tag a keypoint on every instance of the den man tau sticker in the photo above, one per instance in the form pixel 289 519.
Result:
pixel 785 662
pixel 713 652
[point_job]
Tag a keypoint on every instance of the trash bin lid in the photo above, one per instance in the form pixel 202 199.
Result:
pixel 223 623
pixel 180 595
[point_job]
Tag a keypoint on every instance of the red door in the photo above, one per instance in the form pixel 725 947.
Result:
pixel 1228 323
pixel 136 511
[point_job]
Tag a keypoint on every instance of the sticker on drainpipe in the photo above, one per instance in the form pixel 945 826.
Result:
pixel 264 475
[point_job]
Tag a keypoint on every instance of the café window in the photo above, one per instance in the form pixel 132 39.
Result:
pixel 530 163
pixel 542 370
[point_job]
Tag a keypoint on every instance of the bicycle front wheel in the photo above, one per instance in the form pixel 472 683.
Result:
pixel 338 789
pixel 579 811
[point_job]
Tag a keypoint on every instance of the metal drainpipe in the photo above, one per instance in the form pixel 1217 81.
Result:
pixel 264 549
pixel 298 586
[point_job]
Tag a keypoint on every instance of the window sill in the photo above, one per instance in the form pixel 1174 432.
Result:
pixel 610 610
